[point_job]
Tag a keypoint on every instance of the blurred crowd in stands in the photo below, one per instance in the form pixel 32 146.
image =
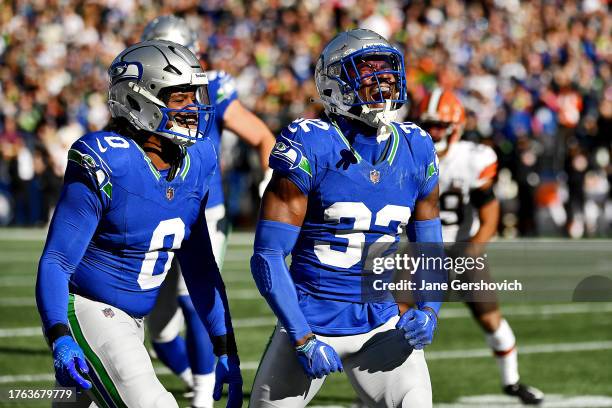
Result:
pixel 535 76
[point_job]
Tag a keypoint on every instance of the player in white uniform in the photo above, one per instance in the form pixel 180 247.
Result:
pixel 470 213
pixel 192 358
pixel 462 181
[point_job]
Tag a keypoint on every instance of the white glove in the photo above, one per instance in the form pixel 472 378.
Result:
pixel 264 183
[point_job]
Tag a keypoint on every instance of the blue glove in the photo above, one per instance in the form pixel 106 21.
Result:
pixel 418 326
pixel 69 362
pixel 318 358
pixel 228 372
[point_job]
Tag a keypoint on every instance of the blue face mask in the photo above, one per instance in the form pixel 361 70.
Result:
pixel 203 115
pixel 191 122
pixel 352 80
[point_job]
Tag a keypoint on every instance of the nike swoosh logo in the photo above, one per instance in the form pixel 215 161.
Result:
pixel 322 350
pixel 102 149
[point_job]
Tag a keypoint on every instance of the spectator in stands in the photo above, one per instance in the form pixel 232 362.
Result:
pixel 536 76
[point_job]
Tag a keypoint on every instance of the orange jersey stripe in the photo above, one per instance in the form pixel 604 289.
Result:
pixel 489 172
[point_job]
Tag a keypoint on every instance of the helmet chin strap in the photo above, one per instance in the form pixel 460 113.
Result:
pixel 381 118
pixel 375 117
pixel 378 117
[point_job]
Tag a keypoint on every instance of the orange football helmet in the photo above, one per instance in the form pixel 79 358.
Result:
pixel 442 114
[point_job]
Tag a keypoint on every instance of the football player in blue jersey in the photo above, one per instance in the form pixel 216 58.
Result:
pixel 134 195
pixel 192 359
pixel 342 183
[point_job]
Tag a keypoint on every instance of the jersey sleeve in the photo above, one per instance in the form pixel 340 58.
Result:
pixel 224 93
pixel 74 222
pixel 485 162
pixel 429 165
pixel 291 158
pixel 203 279
pixel 88 167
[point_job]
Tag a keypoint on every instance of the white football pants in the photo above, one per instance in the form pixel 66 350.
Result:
pixel 384 370
pixel 120 368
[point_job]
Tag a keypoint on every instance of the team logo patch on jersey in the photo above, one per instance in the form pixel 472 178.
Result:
pixel 86 161
pixel 289 153
pixel 170 193
pixel 432 169
pixel 83 160
pixel 374 176
pixel 108 312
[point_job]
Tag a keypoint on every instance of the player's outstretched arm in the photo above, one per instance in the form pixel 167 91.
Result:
pixel 419 324
pixel 249 128
pixel 487 204
pixel 74 223
pixel 254 131
pixel 209 297
pixel 282 213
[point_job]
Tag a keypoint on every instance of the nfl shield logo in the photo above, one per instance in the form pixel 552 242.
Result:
pixel 374 176
pixel 108 312
pixel 170 193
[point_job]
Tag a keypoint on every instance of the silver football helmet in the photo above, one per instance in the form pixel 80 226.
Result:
pixel 171 28
pixel 339 80
pixel 143 75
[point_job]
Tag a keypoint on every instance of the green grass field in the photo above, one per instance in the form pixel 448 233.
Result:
pixel 564 349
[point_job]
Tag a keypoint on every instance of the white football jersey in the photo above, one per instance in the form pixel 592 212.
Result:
pixel 466 166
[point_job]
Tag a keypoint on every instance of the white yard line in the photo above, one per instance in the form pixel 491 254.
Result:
pixel 550 401
pixel 23 234
pixel 26 378
pixel 246 238
pixel 536 310
pixel 541 310
pixel 434 355
pixel 523 350
pixel 21 332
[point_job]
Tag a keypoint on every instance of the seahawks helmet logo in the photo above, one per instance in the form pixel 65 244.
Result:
pixel 117 69
pixel 124 70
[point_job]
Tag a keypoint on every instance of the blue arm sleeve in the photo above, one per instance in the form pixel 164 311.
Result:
pixel 203 279
pixel 74 222
pixel 224 94
pixel 273 242
pixel 425 231
pixel 428 233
